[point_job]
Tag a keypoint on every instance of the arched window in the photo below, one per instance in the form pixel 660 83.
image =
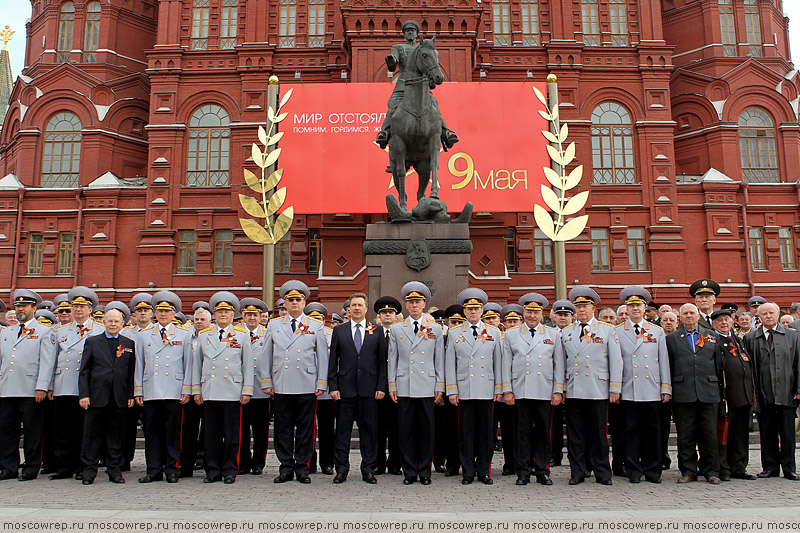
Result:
pixel 757 145
pixel 91 40
pixel 209 146
pixel 612 144
pixel 66 22
pixel 61 156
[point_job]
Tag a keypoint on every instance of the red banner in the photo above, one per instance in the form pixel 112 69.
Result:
pixel 332 164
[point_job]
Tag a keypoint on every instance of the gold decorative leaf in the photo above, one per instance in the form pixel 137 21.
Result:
pixel 271 114
pixel 262 135
pixel 574 177
pixel 544 221
pixel 273 179
pixel 255 231
pixel 252 181
pixel 571 229
pixel 545 116
pixel 550 198
pixel 283 223
pixel 564 133
pixel 280 117
pixel 555 155
pixel 258 158
pixel 276 201
pixel 542 98
pixel 286 97
pixel 550 137
pixel 554 113
pixel 272 157
pixel 575 203
pixel 275 138
pixel 251 206
pixel 552 176
pixel 569 154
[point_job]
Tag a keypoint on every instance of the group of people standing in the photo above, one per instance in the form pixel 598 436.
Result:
pixel 241 369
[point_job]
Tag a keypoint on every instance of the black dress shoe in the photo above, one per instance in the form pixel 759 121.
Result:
pixel 791 476
pixel 229 480
pixel 7 474
pixel 303 478
pixel 508 471
pixel 544 479
pixel 116 479
pixel 523 480
pixel 327 470
pixel 211 479
pixel 396 471
pixel 78 476
pixel 150 478
pixel 257 470
pixel 408 480
pixel 656 480
pixel 340 478
pixel 379 471
pixel 172 478
pixel 47 470
pixel 282 478
pixel 466 481
pixel 27 477
pixel 369 478
pixel 61 475
pixel 498 447
pixel 604 481
pixel 553 462
pixel 576 480
pixel 767 473
pixel 451 473
pixel 440 469
pixel 635 480
pixel 242 471
pixel 724 476
pixel 744 475
pixel 666 466
pixel 87 480
pixel 425 481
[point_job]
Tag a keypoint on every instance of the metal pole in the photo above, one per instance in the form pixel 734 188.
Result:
pixel 559 253
pixel 268 284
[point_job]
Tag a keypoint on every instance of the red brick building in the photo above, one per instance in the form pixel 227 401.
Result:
pixel 125 136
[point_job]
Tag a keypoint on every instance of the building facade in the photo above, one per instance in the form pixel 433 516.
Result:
pixel 124 139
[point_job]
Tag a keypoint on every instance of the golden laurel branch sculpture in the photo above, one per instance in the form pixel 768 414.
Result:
pixel 272 199
pixel 557 202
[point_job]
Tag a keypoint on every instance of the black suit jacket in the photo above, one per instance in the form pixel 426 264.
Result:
pixel 785 377
pixel 738 366
pixel 105 378
pixel 357 374
pixel 696 376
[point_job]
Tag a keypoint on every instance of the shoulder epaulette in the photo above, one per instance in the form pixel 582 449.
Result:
pixel 328 329
pixel 607 324
pixel 653 324
pixel 184 328
pixel 237 328
pixel 549 327
pixel 148 327
pixel 128 327
pixel 314 319
pixel 207 329
pixel 513 327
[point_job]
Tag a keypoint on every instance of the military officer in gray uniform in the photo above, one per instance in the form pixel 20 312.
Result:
pixel 27 358
pixel 473 381
pixel 222 381
pixel 67 413
pixel 142 308
pixel 255 415
pixel 162 382
pixel 646 384
pixel 325 414
pixel 416 380
pixel 295 373
pixel 593 378
pixel 63 308
pixel 533 382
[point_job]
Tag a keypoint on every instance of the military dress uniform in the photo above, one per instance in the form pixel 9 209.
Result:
pixel 473 374
pixel 27 358
pixel 388 446
pixel 416 373
pixel 222 376
pixel 593 371
pixel 162 377
pixel 557 432
pixel 445 441
pixel 645 377
pixel 68 417
pixel 295 366
pixel 255 414
pixel 325 413
pixel 533 370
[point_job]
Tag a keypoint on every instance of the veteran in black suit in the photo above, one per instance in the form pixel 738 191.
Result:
pixel 695 361
pixel 357 380
pixel 776 353
pixel 105 389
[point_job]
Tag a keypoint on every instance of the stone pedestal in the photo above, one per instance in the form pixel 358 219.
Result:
pixel 435 254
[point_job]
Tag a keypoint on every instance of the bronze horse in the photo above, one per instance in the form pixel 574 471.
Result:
pixel 416 124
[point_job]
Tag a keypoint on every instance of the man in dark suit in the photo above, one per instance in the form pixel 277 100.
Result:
pixel 705 292
pixel 106 391
pixel 776 351
pixel 695 361
pixel 357 380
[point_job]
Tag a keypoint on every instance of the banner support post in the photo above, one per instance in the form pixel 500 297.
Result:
pixel 268 282
pixel 559 251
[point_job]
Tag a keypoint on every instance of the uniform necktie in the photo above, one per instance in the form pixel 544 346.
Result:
pixel 221 333
pixel 294 324
pixel 533 332
pixel 583 330
pixel 387 336
pixel 771 341
pixel 474 332
pixel 164 335
pixel 253 337
pixel 357 338
pixel 636 329
pixel 21 330
pixel 416 327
